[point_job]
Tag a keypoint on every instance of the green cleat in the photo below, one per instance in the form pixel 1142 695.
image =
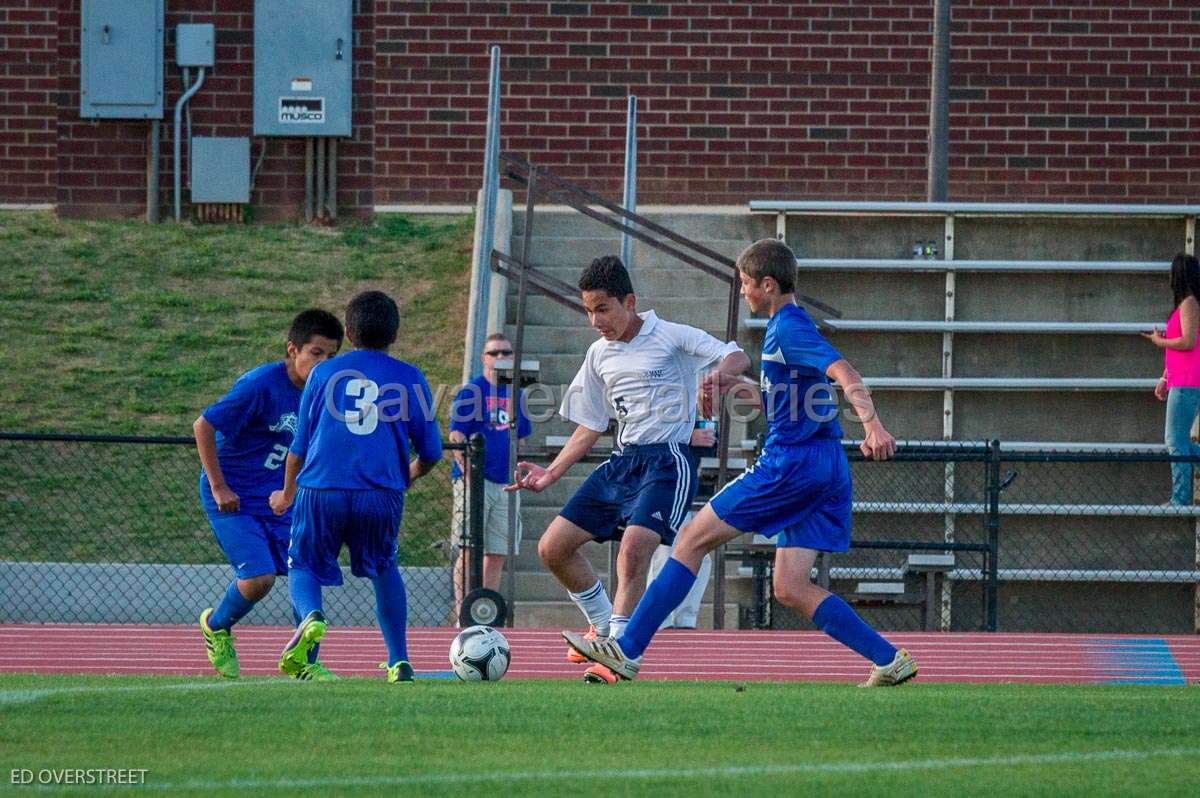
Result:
pixel 316 672
pixel 402 671
pixel 219 646
pixel 295 654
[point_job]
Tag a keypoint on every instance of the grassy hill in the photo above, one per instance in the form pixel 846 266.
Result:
pixel 122 328
pixel 119 327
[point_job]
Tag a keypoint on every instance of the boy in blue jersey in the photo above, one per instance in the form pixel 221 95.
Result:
pixel 486 407
pixel 362 417
pixel 798 491
pixel 243 440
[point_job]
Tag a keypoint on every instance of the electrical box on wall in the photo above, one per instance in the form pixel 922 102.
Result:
pixel 220 169
pixel 302 67
pixel 195 45
pixel 121 59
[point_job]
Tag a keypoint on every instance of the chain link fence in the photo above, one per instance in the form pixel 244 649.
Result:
pixel 979 536
pixel 107 529
pixel 956 537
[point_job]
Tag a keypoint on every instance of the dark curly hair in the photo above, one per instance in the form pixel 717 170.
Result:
pixel 607 274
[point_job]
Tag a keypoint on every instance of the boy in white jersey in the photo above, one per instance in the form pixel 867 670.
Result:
pixel 644 371
pixel 798 492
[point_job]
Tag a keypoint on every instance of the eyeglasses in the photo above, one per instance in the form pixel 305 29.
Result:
pixel 498 352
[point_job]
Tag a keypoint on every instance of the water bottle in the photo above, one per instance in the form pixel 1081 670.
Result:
pixel 708 423
pixel 918 251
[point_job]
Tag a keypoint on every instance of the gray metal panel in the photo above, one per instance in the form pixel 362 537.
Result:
pixel 301 85
pixel 121 59
pixel 220 169
pixel 195 45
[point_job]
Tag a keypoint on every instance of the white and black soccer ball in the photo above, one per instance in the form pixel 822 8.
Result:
pixel 479 654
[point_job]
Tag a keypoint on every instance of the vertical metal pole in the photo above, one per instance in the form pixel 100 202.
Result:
pixel 475 499
pixel 320 207
pixel 510 569
pixel 993 528
pixel 948 521
pixel 731 326
pixel 482 268
pixel 939 103
pixel 630 201
pixel 152 172
pixel 331 197
pixel 308 179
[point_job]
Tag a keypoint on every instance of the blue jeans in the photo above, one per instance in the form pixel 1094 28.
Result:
pixel 1182 406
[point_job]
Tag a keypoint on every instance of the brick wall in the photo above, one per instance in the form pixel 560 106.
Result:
pixel 28 50
pixel 102 163
pixel 1071 100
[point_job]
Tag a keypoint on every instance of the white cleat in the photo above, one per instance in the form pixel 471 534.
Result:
pixel 606 651
pixel 898 671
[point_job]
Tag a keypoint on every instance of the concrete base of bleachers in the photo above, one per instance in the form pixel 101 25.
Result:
pixel 173 594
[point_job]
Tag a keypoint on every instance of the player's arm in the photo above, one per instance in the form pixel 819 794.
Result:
pixel 537 479
pixel 878 443
pixel 425 434
pixel 724 378
pixel 281 500
pixel 206 445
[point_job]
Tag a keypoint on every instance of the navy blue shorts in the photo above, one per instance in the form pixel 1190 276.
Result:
pixel 800 493
pixel 367 522
pixel 651 486
pixel 255 545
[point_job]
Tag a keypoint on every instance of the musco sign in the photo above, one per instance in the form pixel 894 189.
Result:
pixel 301 110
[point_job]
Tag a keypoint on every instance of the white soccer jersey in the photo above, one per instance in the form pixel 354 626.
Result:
pixel 649 384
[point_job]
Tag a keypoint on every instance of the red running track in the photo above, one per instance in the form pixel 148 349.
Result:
pixel 675 654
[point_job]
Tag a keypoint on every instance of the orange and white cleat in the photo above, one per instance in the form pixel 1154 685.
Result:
pixel 573 656
pixel 600 674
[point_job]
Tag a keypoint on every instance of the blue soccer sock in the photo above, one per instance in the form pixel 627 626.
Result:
pixel 305 592
pixel 665 593
pixel 312 655
pixel 233 608
pixel 835 618
pixel 391 607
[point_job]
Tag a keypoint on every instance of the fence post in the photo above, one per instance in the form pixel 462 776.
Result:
pixel 993 529
pixel 475 496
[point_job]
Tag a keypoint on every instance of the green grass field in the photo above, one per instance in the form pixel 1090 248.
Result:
pixel 117 327
pixel 211 738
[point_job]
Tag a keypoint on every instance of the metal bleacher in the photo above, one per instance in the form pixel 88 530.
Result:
pixel 1088 223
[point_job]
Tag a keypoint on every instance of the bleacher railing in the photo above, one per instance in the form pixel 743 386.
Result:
pixel 1045 540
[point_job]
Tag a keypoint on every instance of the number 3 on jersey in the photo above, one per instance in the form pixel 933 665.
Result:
pixel 364 417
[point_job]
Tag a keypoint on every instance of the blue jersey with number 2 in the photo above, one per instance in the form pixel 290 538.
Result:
pixel 363 415
pixel 255 423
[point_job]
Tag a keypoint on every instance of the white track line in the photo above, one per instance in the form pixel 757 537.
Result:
pixel 39 693
pixel 741 771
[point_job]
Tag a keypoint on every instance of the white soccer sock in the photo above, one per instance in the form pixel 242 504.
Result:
pixel 595 606
pixel 617 625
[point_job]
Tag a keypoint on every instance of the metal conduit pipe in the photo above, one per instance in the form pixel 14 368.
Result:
pixel 320 212
pixel 187 95
pixel 308 179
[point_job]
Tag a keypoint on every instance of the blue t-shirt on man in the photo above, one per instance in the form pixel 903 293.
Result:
pixel 798 399
pixel 255 423
pixel 485 408
pixel 362 416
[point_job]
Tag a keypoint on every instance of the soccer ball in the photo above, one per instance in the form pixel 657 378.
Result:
pixel 479 654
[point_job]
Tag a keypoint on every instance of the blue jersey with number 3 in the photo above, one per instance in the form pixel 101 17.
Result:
pixel 255 423
pixel 363 415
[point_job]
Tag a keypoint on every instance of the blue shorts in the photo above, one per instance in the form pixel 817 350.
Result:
pixel 651 486
pixel 255 545
pixel 800 493
pixel 366 521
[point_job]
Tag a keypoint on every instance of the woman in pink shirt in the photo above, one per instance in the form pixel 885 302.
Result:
pixel 1179 386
